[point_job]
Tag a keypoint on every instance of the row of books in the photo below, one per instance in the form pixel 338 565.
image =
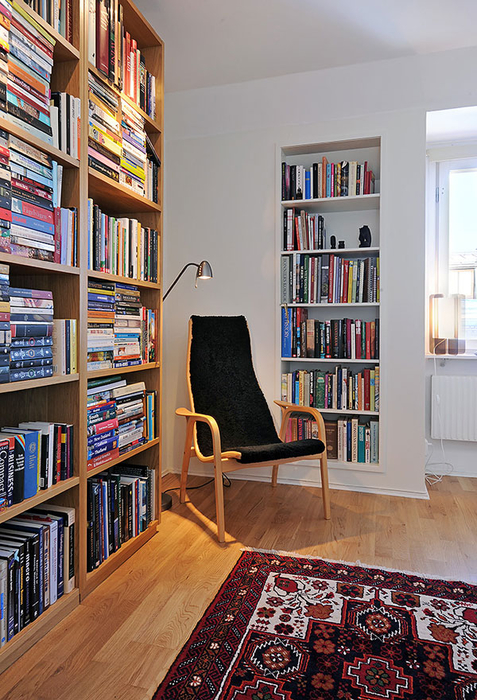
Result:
pixel 64 352
pixel 352 440
pixel 65 116
pixel 303 231
pixel 120 418
pixel 33 456
pixel 344 338
pixel 26 63
pixel 121 246
pixel 324 179
pixel 329 279
pixel 32 224
pixel 37 565
pixel 121 505
pixel 113 51
pixel 118 146
pixel 341 389
pixel 58 13
pixel 121 332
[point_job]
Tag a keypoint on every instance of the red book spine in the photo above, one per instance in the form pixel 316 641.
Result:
pixel 127 87
pixel 4 316
pixel 368 340
pixel 344 294
pixel 102 37
pixel 364 177
pixel 103 459
pixel 5 214
pixel 58 454
pixel 331 275
pixel 36 212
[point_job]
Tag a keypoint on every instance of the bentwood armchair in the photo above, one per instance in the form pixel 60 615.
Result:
pixel 230 424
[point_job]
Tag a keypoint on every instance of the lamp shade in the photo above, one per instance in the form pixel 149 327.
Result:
pixel 204 271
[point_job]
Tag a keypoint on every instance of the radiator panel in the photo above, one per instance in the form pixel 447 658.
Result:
pixel 454 408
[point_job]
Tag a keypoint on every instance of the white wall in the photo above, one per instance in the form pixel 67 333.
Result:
pixel 220 175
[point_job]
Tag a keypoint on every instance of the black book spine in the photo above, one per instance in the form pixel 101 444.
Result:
pixel 314 194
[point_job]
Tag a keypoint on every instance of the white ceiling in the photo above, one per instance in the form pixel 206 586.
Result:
pixel 216 42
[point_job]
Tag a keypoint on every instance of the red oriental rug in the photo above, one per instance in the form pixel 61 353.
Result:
pixel 289 628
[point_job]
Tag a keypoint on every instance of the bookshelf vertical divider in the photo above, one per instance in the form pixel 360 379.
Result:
pixel 64 398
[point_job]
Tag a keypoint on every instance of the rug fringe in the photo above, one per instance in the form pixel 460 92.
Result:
pixel 297 555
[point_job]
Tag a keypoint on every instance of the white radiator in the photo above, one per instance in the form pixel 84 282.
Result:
pixel 454 408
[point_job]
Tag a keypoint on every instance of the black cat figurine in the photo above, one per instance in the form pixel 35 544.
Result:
pixel 364 237
pixel 333 242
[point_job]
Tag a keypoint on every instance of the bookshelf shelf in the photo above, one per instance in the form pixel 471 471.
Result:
pixel 334 360
pixel 28 636
pixel 124 280
pixel 113 195
pixel 97 576
pixel 37 383
pixel 40 497
pixel 61 157
pixel 122 458
pixel 63 50
pixel 336 204
pixel 38 266
pixel 351 272
pixel 122 370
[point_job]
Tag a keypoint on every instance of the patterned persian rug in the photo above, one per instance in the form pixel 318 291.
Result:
pixel 289 628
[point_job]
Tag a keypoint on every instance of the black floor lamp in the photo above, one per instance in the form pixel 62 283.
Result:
pixel 204 272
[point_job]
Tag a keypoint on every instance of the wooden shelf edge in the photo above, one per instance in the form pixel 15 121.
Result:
pixel 37 629
pixel 62 158
pixel 122 458
pixel 41 265
pixel 63 50
pixel 40 497
pixel 115 560
pixel 121 370
pixel 36 383
pixel 153 126
pixel 135 201
pixel 123 280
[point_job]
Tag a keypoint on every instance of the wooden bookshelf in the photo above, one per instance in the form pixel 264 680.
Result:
pixel 64 398
pixel 343 216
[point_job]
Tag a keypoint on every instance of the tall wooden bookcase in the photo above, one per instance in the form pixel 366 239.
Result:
pixel 343 215
pixel 63 398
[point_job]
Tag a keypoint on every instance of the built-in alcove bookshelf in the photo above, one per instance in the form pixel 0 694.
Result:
pixel 62 398
pixel 330 321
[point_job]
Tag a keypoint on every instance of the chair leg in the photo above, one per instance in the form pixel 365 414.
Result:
pixel 219 500
pixel 325 486
pixel 186 459
pixel 274 475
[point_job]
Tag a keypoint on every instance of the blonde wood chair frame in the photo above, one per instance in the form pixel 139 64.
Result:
pixel 227 461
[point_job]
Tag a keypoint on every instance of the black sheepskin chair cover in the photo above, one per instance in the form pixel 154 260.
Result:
pixel 224 385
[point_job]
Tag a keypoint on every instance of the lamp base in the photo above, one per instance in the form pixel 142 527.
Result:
pixel 166 501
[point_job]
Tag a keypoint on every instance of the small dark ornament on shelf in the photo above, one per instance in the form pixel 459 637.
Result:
pixel 333 242
pixel 341 244
pixel 364 237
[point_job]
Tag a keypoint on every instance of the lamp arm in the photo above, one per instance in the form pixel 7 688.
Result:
pixel 178 278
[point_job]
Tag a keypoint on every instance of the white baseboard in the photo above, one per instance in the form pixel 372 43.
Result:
pixel 207 471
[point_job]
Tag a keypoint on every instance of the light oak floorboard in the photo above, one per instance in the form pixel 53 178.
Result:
pixel 120 642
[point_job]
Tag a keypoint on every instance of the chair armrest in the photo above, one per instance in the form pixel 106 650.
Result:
pixel 210 421
pixel 289 408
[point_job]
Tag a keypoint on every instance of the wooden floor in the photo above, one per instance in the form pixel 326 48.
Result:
pixel 120 642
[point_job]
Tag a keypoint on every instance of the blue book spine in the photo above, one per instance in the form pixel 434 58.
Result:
pixel 29 222
pixel 107 446
pixel 61 555
pixel 286 334
pixel 307 184
pixel 361 457
pixel 97 440
pixel 32 456
pixel 328 179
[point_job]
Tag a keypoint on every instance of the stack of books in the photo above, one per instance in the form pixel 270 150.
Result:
pixel 121 246
pixel 32 224
pixel 343 338
pixel 119 418
pixel 127 326
pixel 31 325
pixel 324 179
pixel 26 74
pixel 104 134
pixel 113 51
pixel 133 156
pixel 329 279
pixel 5 333
pixel 65 354
pixel 341 389
pixel 120 506
pixel 36 565
pixel 65 116
pixel 33 455
pixel 100 343
pixel 58 14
